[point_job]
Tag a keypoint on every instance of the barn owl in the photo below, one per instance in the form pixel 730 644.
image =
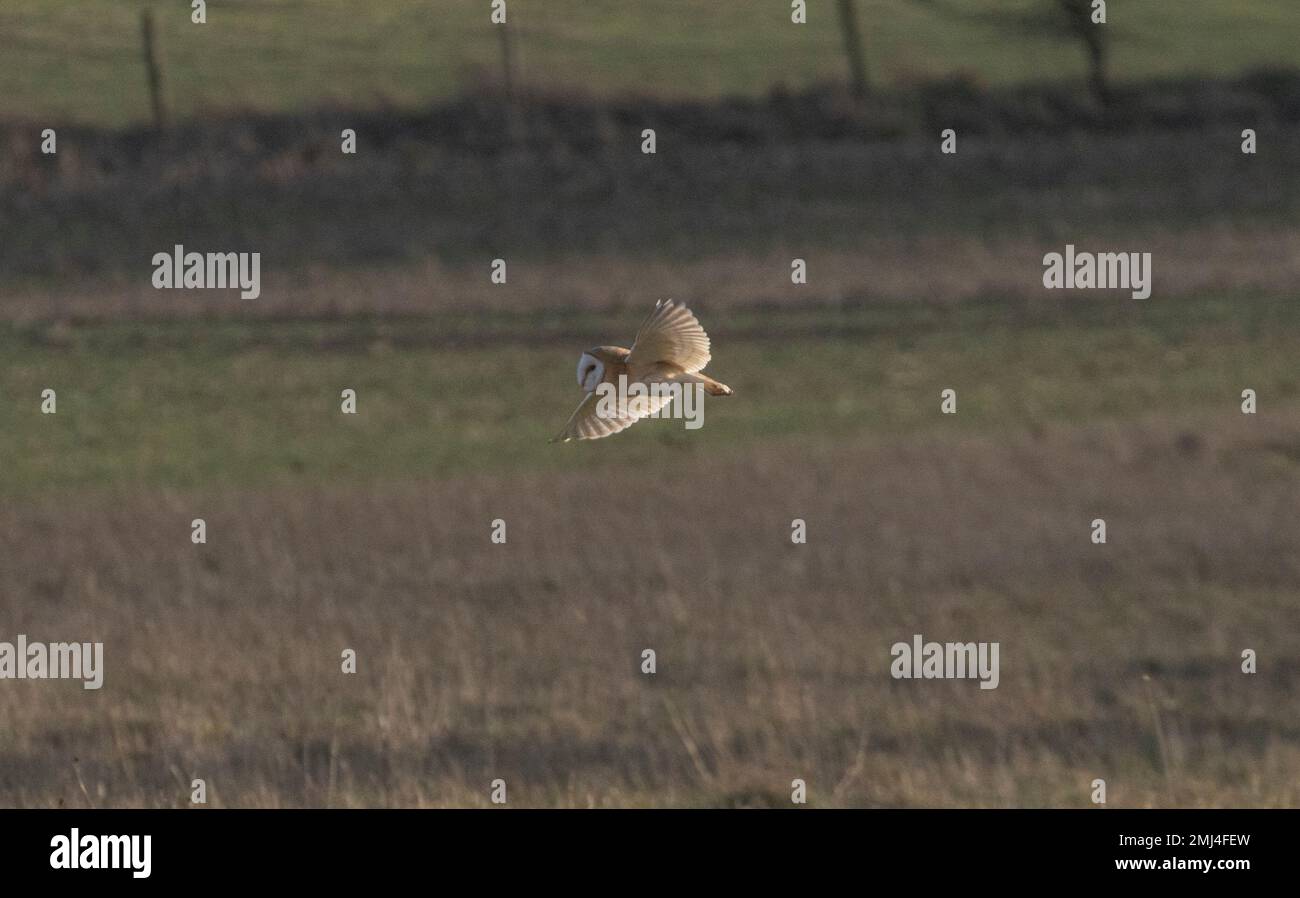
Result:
pixel 670 347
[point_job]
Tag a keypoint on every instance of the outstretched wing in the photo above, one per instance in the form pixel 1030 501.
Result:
pixel 586 422
pixel 671 334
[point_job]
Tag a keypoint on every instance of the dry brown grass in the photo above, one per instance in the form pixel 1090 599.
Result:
pixel 521 660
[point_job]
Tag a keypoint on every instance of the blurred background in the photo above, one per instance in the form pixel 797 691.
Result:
pixel 775 141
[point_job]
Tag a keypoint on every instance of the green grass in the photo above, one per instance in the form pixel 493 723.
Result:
pixel 192 403
pixel 80 59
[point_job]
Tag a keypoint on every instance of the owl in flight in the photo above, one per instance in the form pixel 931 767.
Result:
pixel 670 347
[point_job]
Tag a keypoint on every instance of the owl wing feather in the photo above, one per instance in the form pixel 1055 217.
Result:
pixel 671 334
pixel 587 424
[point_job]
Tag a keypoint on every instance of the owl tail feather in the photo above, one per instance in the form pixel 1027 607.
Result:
pixel 711 386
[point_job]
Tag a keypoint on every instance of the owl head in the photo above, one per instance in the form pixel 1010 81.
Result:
pixel 590 372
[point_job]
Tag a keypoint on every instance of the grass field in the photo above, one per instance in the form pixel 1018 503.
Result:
pixel 192 403
pixel 81 60
pixel 521 660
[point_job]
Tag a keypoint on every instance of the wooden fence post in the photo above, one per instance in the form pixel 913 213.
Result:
pixel 513 119
pixel 152 70
pixel 507 61
pixel 853 48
